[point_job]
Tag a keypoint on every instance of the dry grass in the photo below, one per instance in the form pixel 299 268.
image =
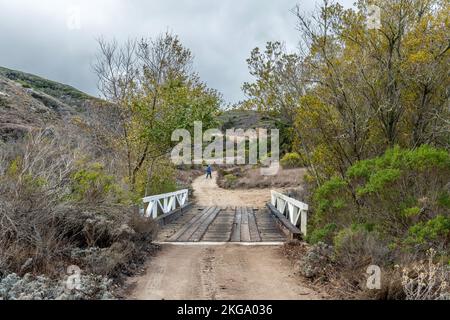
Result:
pixel 416 280
pixel 44 224
pixel 426 280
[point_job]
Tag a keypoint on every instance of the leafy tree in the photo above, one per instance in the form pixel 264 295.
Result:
pixel 152 90
pixel 278 82
pixel 372 89
pixel 277 87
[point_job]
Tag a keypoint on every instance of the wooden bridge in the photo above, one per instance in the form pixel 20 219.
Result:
pixel 223 246
pixel 183 223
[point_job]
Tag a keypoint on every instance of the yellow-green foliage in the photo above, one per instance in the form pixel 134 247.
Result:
pixel 230 178
pixel 324 234
pixel 291 160
pixel 163 179
pixel 411 212
pixel 370 91
pixel 436 229
pixel 14 167
pixel 329 197
pixel 92 183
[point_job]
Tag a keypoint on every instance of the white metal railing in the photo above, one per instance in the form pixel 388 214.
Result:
pixel 295 211
pixel 167 202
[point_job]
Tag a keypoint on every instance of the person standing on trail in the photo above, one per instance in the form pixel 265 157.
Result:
pixel 208 171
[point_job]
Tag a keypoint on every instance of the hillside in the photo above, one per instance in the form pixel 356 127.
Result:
pixel 246 119
pixel 28 101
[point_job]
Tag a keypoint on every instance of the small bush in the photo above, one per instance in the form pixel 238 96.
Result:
pixel 324 234
pixel 92 183
pixel 357 247
pixel 229 180
pixel 435 232
pixel 291 160
pixel 316 263
pixel 24 84
pixel 29 287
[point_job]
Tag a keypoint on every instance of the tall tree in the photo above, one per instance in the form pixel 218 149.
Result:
pixel 370 89
pixel 278 81
pixel 152 90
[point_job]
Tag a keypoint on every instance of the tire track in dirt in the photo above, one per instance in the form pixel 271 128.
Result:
pixel 220 272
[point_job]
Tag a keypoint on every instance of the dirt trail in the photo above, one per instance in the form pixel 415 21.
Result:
pixel 220 272
pixel 227 271
pixel 208 193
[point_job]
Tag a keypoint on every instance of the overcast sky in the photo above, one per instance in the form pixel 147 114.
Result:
pixel 50 39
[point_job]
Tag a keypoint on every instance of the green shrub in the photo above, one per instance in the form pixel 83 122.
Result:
pixel 330 197
pixel 378 181
pixel 160 184
pixel 93 184
pixel 436 229
pixel 444 199
pixel 230 178
pixel 421 159
pixel 411 212
pixel 394 191
pixel 24 84
pixel 291 160
pixel 324 234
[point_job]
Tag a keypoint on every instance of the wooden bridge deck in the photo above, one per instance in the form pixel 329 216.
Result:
pixel 231 224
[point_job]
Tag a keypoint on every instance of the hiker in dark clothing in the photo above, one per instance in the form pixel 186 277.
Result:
pixel 208 171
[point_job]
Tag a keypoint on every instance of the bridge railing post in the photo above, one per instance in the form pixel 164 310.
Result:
pixel 294 210
pixel 303 221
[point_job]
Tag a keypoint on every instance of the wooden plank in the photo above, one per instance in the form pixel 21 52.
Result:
pixel 220 229
pixel 201 230
pixel 190 224
pixel 172 215
pixel 236 233
pixel 245 231
pixel 189 232
pixel 267 227
pixel 254 232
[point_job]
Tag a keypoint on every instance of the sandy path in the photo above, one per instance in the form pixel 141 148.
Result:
pixel 220 272
pixel 227 271
pixel 208 193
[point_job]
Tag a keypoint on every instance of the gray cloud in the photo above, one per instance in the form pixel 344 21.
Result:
pixel 35 36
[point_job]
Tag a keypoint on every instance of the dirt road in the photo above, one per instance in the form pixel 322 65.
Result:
pixel 225 271
pixel 208 193
pixel 220 272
